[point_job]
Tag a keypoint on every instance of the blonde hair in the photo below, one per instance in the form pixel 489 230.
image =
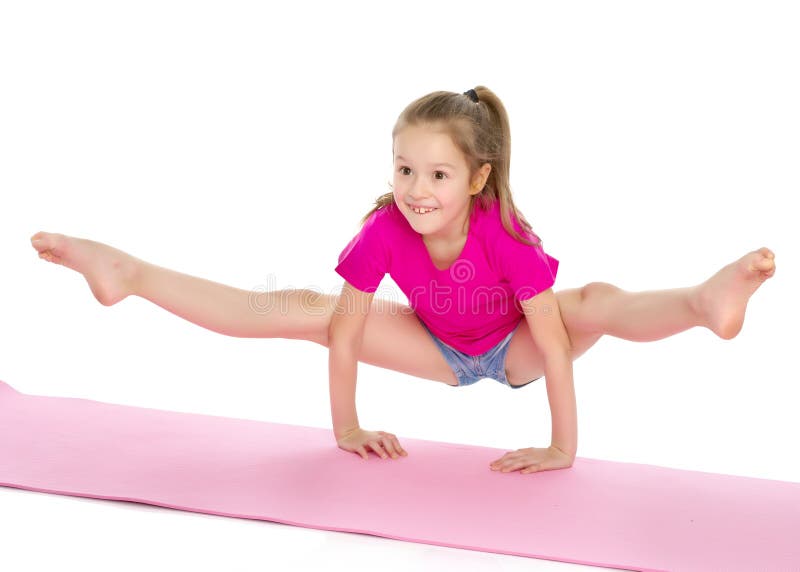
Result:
pixel 481 131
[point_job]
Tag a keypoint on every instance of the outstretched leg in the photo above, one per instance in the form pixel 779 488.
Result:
pixel 291 314
pixel 718 304
pixel 114 275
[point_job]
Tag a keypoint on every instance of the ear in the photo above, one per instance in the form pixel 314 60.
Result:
pixel 479 180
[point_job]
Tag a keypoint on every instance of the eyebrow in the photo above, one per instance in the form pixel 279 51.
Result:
pixel 401 158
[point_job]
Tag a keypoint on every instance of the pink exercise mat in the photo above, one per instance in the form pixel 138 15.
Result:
pixel 618 515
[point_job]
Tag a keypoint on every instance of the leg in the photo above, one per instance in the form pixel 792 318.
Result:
pixel 296 314
pixel 639 316
pixel 525 362
pixel 600 308
pixel 292 314
pixel 718 304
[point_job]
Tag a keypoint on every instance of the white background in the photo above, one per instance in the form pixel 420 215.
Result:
pixel 653 143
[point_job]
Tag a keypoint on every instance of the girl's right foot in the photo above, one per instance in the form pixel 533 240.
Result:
pixel 111 273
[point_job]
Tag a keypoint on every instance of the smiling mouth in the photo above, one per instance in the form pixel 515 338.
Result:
pixel 422 211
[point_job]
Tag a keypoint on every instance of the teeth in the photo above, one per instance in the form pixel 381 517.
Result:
pixel 422 211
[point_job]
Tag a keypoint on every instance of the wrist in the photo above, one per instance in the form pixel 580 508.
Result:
pixel 344 431
pixel 568 452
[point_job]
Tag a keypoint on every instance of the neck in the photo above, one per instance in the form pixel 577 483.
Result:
pixel 446 237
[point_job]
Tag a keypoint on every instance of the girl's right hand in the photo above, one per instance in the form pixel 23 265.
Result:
pixel 356 439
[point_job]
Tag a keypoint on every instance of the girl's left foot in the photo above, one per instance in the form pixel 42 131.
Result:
pixel 721 300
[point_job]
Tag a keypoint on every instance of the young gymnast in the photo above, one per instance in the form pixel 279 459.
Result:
pixel 472 268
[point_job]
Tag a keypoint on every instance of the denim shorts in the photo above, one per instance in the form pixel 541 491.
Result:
pixel 471 369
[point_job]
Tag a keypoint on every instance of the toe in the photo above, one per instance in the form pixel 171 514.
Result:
pixel 47 255
pixel 764 264
pixel 47 241
pixel 39 244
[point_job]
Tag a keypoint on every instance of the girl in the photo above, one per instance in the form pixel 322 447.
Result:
pixel 478 281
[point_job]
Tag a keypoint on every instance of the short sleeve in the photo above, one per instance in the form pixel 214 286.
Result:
pixel 363 262
pixel 529 270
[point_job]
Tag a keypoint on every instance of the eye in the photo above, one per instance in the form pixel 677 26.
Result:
pixel 402 169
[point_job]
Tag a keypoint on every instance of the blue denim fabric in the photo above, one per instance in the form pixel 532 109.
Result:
pixel 471 369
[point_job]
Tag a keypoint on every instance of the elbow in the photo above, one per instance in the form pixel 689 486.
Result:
pixel 555 353
pixel 344 339
pixel 346 326
pixel 555 342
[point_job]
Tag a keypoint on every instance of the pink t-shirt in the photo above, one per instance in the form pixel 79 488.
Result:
pixel 472 305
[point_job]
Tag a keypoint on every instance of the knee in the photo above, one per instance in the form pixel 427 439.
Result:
pixel 594 288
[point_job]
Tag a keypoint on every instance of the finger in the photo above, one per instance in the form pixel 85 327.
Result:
pixel 506 460
pixel 376 446
pixel 363 452
pixel 389 443
pixel 395 444
pixel 508 467
pixel 516 464
pixel 532 469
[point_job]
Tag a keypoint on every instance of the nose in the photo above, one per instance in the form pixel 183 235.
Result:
pixel 416 193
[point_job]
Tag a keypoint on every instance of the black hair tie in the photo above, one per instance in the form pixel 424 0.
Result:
pixel 472 95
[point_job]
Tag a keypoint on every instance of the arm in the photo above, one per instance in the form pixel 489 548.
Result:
pixel 550 336
pixel 345 335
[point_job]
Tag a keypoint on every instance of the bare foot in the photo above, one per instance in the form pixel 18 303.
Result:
pixel 110 273
pixel 722 299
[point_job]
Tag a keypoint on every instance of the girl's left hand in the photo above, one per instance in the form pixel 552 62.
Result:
pixel 532 459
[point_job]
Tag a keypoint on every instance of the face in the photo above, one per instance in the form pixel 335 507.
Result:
pixel 431 172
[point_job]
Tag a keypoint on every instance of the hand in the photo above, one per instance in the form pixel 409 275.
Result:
pixel 532 460
pixel 355 440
